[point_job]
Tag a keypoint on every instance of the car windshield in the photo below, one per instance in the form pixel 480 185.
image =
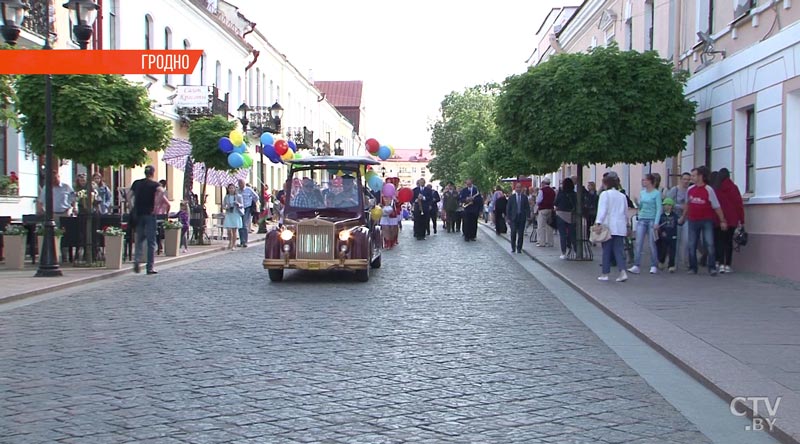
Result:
pixel 338 192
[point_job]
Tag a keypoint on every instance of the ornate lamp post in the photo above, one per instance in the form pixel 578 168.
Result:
pixel 264 120
pixel 383 171
pixel 13 14
pixel 318 144
pixel 337 148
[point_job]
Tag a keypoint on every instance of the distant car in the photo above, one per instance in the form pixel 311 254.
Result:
pixel 326 229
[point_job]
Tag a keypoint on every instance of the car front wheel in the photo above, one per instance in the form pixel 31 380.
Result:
pixel 275 275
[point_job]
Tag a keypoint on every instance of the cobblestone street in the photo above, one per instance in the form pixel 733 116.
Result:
pixel 448 342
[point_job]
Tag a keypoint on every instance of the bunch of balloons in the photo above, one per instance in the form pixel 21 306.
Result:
pixel 374 181
pixel 279 150
pixel 383 152
pixel 236 150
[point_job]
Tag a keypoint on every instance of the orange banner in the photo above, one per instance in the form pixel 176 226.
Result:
pixel 117 61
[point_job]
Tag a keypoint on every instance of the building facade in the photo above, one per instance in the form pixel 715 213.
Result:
pixel 409 166
pixel 742 56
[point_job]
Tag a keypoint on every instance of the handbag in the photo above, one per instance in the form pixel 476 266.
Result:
pixel 600 235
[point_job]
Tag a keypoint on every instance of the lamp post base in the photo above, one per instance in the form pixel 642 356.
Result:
pixel 48 272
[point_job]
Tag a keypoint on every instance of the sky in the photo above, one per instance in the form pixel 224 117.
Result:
pixel 409 54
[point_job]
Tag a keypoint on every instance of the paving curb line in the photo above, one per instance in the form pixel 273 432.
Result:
pixel 109 275
pixel 706 380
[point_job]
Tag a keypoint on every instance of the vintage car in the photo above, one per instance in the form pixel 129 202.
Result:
pixel 326 229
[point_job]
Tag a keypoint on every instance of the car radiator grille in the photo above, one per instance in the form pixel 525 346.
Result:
pixel 315 242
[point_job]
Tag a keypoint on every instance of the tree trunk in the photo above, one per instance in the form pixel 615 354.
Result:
pixel 202 203
pixel 579 214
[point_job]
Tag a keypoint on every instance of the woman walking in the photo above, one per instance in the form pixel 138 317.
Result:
pixel 730 200
pixel 500 206
pixel 649 213
pixel 565 207
pixel 234 208
pixel 612 211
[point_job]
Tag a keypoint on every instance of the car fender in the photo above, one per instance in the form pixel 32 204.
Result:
pixel 359 248
pixel 273 245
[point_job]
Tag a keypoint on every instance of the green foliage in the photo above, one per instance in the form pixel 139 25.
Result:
pixel 602 107
pixel 461 137
pixel 204 135
pixel 98 119
pixel 8 114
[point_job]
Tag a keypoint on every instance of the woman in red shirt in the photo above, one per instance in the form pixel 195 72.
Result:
pixel 730 200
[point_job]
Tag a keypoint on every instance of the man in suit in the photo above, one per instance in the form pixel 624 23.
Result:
pixel 470 198
pixel 517 215
pixel 422 203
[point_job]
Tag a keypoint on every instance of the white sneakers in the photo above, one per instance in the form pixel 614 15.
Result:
pixel 653 270
pixel 634 269
pixel 562 257
pixel 725 269
pixel 622 277
pixel 603 278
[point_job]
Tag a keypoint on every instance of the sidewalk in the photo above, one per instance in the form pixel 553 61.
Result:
pixel 20 284
pixel 738 334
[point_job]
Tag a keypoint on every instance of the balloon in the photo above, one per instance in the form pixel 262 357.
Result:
pixel 404 195
pixel 267 139
pixel 235 160
pixel 384 152
pixel 225 145
pixel 372 146
pixel 273 157
pixel 241 149
pixel 391 151
pixel 292 146
pixel 298 156
pixel 376 213
pixel 375 183
pixel 248 161
pixel 236 137
pixel 288 154
pixel 388 210
pixel 363 170
pixel 281 147
pixel 370 175
pixel 388 190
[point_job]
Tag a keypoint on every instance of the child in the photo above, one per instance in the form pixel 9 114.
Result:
pixel 389 222
pixel 667 235
pixel 183 217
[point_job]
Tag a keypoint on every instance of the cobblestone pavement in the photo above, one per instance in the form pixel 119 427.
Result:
pixel 448 342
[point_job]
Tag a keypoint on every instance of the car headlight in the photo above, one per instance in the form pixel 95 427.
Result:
pixel 287 235
pixel 344 235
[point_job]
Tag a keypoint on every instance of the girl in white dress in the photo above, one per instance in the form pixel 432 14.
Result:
pixel 234 208
pixel 390 222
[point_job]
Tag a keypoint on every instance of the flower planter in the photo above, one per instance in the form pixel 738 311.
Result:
pixel 172 239
pixel 40 239
pixel 14 251
pixel 113 251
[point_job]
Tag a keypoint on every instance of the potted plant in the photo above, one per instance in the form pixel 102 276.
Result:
pixel 113 239
pixel 14 246
pixel 58 233
pixel 172 237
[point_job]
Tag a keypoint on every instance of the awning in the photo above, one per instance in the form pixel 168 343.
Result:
pixel 179 153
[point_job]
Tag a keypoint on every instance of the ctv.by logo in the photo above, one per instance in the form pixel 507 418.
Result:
pixel 760 422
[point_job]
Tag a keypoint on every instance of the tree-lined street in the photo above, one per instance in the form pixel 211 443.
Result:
pixel 211 352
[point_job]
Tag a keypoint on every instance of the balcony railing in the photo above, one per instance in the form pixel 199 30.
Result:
pixel 35 22
pixel 301 136
pixel 216 107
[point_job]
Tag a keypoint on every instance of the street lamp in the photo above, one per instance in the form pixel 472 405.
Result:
pixel 243 109
pixel 337 148
pixel 383 171
pixel 85 15
pixel 14 13
pixel 318 144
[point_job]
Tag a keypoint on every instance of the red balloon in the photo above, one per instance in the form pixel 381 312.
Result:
pixel 281 147
pixel 372 146
pixel 405 195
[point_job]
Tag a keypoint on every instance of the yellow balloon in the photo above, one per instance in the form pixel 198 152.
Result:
pixel 288 155
pixel 363 169
pixel 236 137
pixel 391 151
pixel 376 213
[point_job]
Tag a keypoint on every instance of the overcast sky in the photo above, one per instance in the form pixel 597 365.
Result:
pixel 409 54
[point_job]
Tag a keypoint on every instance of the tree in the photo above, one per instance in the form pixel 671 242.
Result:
pixel 204 135
pixel 99 119
pixel 461 137
pixel 603 107
pixel 8 97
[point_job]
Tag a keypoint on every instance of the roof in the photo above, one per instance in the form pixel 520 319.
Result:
pixel 406 155
pixel 342 93
pixel 334 160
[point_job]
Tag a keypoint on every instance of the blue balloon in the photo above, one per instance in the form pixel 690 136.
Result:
pixel 241 149
pixel 268 150
pixel 293 146
pixel 235 160
pixel 375 183
pixel 225 145
pixel 273 156
pixel 384 152
pixel 267 139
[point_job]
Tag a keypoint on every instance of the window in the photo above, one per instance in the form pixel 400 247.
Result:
pixel 218 77
pixel 750 152
pixel 707 145
pixel 203 61
pixel 112 24
pixel 705 16
pixel 187 78
pixel 710 16
pixel 629 34
pixel 167 45
pixel 271 93
pixel 649 18
pixel 148 32
pixel 264 90
pixel 239 90
pixel 258 87
pixel 230 83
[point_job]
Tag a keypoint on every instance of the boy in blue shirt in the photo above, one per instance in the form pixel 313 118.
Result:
pixel 667 235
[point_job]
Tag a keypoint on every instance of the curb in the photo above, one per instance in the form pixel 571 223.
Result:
pixel 109 275
pixel 707 381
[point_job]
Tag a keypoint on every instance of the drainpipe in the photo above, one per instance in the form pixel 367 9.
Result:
pixel 676 50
